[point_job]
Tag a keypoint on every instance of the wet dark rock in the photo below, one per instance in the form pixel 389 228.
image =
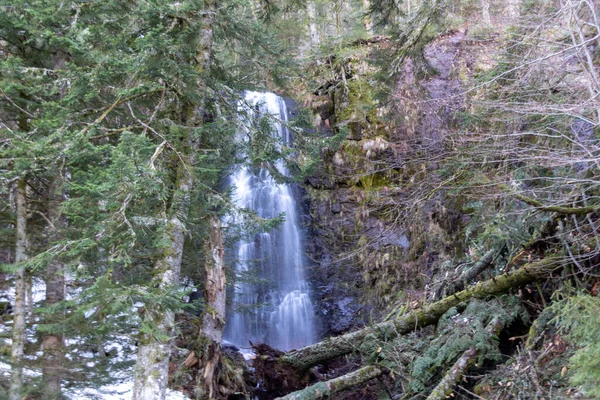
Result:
pixel 347 309
pixel 336 208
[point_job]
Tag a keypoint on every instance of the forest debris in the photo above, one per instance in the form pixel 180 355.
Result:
pixel 444 387
pixel 328 349
pixel 275 378
pixel 191 360
pixel 326 389
pixel 472 272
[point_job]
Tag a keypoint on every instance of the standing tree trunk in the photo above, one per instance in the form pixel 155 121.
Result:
pixel 485 12
pixel 367 20
pixel 513 9
pixel 154 351
pixel 312 24
pixel 213 319
pixel 53 341
pixel 18 331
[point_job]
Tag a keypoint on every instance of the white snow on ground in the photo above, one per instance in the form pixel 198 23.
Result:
pixel 5 370
pixel 119 391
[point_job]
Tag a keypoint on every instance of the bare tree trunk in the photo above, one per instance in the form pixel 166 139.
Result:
pixel 154 352
pixel 367 21
pixel 312 23
pixel 513 9
pixel 338 8
pixel 18 331
pixel 213 319
pixel 53 342
pixel 485 12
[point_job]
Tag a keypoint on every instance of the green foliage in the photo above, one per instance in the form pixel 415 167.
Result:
pixel 577 315
pixel 458 332
pixel 96 103
pixel 386 12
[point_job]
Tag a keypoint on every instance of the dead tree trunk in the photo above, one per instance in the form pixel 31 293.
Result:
pixel 472 273
pixel 213 319
pixel 303 359
pixel 367 19
pixel 485 12
pixel 326 389
pixel 443 389
pixel 18 330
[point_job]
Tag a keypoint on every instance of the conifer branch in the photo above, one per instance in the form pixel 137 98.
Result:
pixel 317 353
pixel 557 209
pixel 110 108
pixel 443 389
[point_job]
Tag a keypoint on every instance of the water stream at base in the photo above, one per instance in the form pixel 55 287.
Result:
pixel 276 309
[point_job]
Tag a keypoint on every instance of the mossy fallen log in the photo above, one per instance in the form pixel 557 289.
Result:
pixel 326 389
pixel 307 357
pixel 473 272
pixel 444 388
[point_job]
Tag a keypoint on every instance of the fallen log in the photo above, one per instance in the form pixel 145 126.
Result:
pixel 326 389
pixel 472 273
pixel 444 388
pixel 307 357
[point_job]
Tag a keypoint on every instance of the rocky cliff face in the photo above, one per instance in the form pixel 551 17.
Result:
pixel 382 227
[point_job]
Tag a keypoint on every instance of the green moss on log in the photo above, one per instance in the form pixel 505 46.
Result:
pixel 328 349
pixel 326 389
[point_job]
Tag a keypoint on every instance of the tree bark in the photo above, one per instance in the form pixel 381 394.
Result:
pixel 367 20
pixel 485 12
pixel 152 368
pixel 513 9
pixel 53 342
pixel 443 389
pixel 303 359
pixel 326 389
pixel 154 351
pixel 18 330
pixel 213 319
pixel 472 272
pixel 312 23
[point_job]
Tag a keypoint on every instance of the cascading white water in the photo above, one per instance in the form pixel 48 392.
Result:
pixel 275 308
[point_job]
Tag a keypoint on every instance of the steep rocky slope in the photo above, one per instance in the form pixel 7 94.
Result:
pixel 413 206
pixel 382 231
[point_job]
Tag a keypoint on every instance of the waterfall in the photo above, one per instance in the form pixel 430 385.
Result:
pixel 275 307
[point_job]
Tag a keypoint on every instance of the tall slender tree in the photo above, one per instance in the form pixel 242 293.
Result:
pixel 18 330
pixel 152 369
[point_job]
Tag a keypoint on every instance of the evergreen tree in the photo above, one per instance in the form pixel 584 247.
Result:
pixel 115 118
